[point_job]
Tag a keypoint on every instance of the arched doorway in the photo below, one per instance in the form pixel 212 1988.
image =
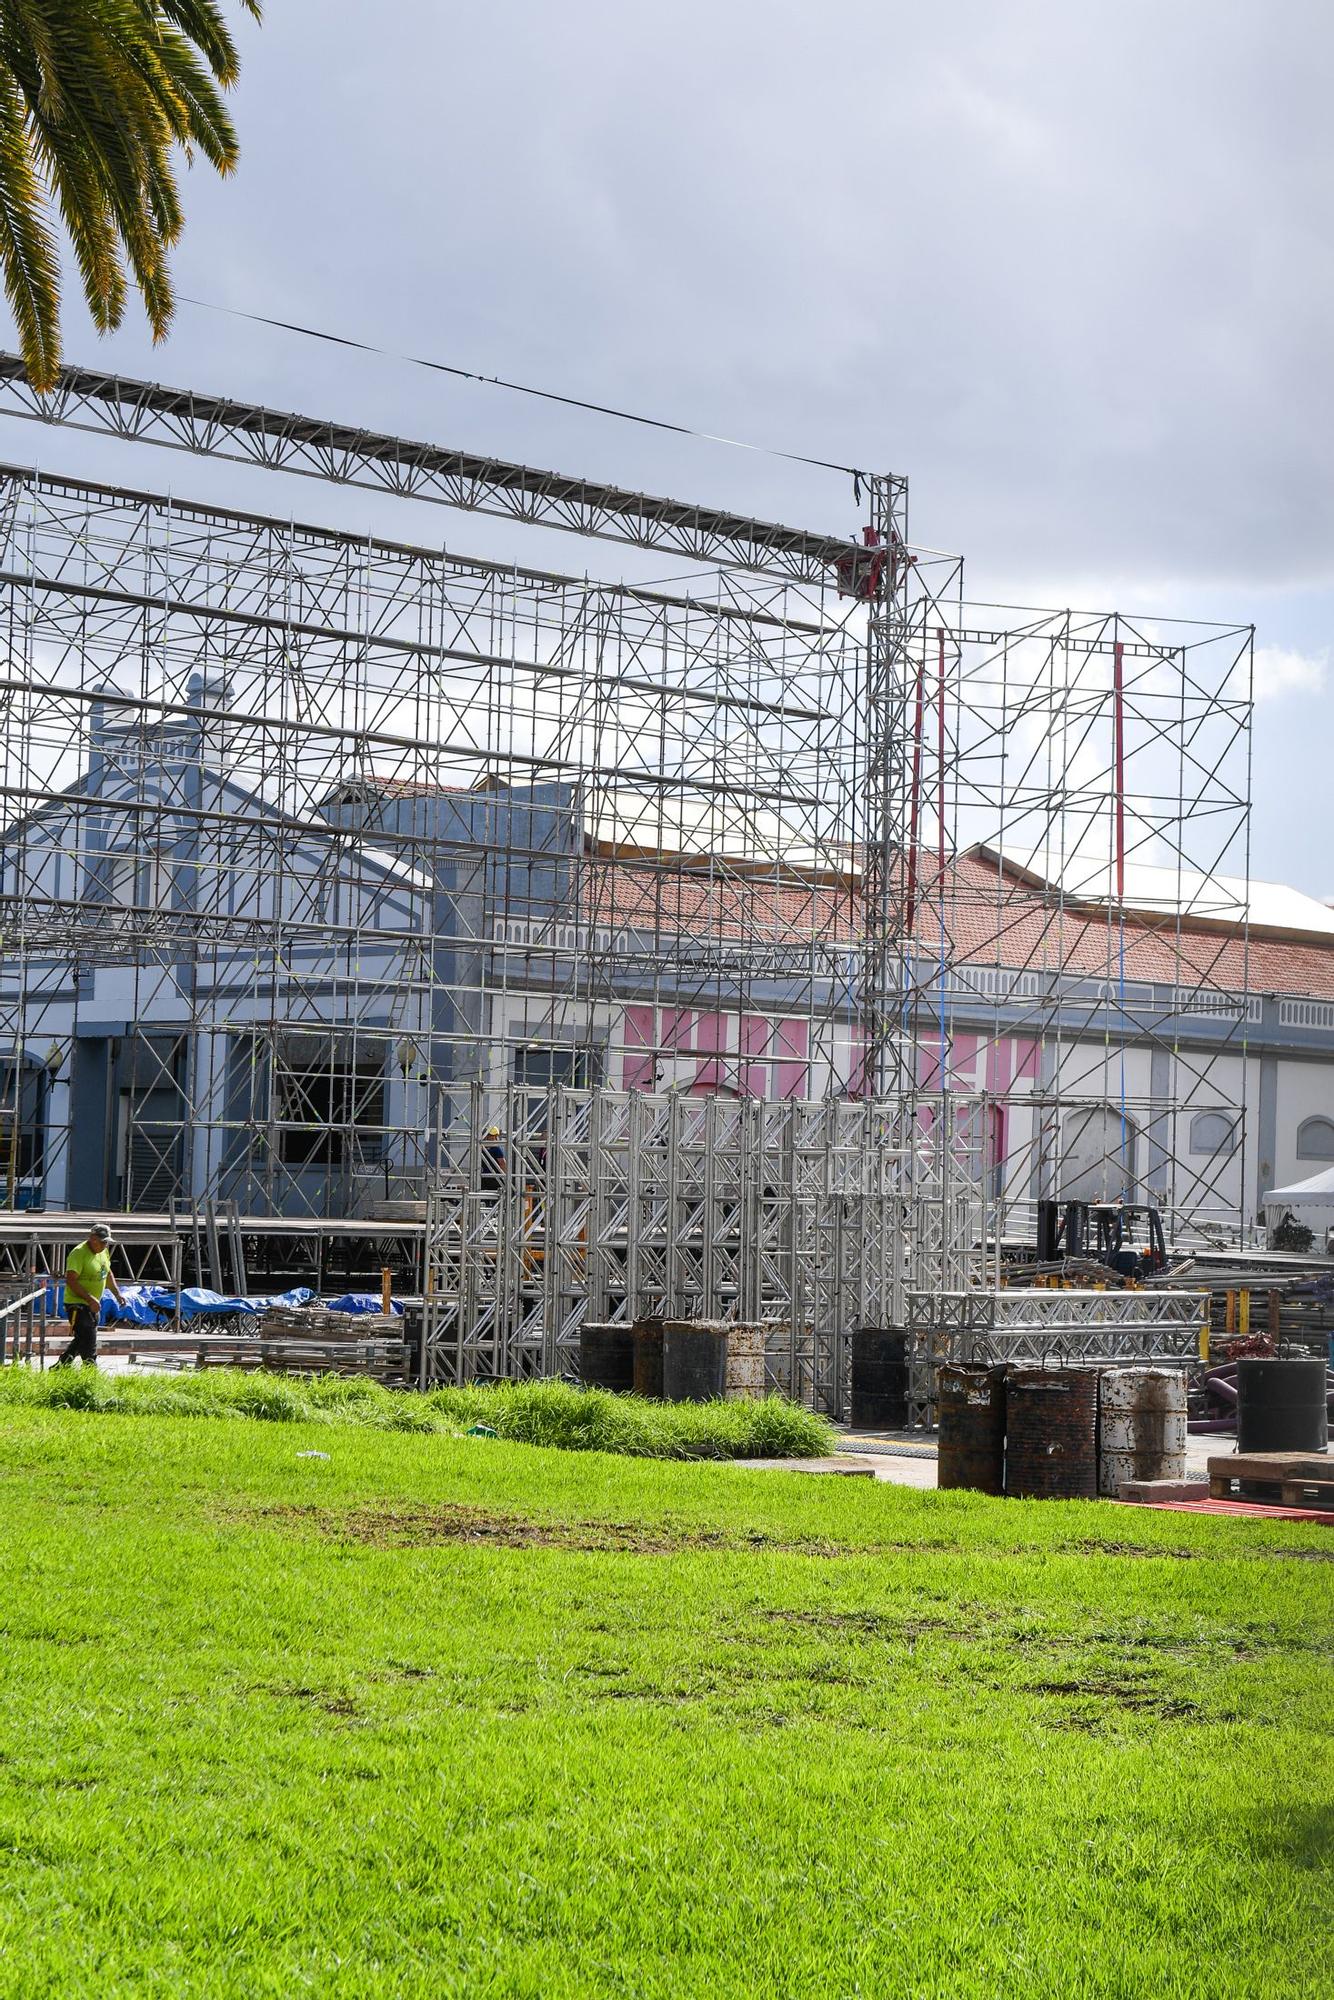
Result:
pixel 1097 1154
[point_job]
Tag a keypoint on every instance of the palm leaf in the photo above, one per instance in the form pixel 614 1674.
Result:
pixel 27 250
pixel 95 97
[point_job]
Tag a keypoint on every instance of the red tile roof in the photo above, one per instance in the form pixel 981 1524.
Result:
pixel 989 916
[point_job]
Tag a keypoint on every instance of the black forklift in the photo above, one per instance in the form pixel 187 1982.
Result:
pixel 1125 1236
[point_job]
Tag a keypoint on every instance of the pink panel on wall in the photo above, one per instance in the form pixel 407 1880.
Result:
pixel 640 1026
pixel 638 1073
pixel 963 1060
pixel 1026 1053
pixel 755 1079
pixel 676 1027
pixel 1000 1054
pixel 793 1039
pixel 793 1042
pixel 857 1080
pixel 755 1033
pixel 998 1138
pixel 711 1031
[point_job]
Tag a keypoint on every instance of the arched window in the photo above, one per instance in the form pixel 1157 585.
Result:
pixel 1315 1139
pixel 1212 1132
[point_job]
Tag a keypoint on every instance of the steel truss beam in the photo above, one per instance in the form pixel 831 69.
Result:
pixel 214 426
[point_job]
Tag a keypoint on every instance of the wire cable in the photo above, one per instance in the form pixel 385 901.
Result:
pixel 523 388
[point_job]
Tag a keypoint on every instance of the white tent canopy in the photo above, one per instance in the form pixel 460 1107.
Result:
pixel 1318 1192
pixel 1309 1202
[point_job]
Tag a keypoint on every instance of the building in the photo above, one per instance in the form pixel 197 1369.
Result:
pixel 229 999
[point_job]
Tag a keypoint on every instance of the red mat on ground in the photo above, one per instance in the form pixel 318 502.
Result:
pixel 1259 1507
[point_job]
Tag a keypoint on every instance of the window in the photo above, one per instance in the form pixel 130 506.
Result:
pixel 329 1100
pixel 540 1068
pixel 21 1123
pixel 150 1131
pixel 1315 1139
pixel 1212 1132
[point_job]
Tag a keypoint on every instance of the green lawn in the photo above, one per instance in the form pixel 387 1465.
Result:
pixel 439 1716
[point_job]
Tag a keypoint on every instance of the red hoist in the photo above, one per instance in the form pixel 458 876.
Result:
pixel 861 571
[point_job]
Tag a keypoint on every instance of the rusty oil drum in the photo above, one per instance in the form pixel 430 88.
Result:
pixel 648 1358
pixel 1051 1433
pixel 1141 1426
pixel 607 1356
pixel 879 1379
pixel 970 1418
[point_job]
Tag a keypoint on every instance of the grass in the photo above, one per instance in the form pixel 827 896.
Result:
pixel 456 1717
pixel 546 1413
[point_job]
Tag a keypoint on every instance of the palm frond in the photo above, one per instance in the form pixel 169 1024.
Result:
pixel 27 249
pixel 95 98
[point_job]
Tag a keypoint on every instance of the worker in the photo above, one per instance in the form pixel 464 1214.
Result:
pixel 87 1275
pixel 493 1161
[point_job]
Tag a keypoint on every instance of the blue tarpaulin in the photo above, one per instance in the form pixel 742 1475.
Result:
pixel 362 1302
pixel 197 1302
pixel 149 1305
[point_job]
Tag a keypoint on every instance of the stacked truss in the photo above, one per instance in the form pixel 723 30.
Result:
pixel 1051 1328
pixel 621 1207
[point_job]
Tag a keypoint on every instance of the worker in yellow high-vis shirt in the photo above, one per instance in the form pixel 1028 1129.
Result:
pixel 87 1275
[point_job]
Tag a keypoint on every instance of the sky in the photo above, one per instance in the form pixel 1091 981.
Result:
pixel 1069 269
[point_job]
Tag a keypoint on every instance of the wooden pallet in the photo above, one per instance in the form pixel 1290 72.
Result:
pixel 1303 1491
pixel 1286 1477
pixel 363 1345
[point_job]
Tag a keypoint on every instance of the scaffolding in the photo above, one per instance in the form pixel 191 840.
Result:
pixel 614 1206
pixel 322 854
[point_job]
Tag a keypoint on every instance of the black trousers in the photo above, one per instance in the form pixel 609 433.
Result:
pixel 83 1347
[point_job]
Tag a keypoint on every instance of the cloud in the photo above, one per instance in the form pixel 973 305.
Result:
pixel 1279 670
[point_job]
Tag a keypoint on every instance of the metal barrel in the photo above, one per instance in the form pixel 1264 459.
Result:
pixel 607 1356
pixel 1051 1426
pixel 1141 1426
pixel 745 1379
pixel 1281 1405
pixel 694 1360
pixel 970 1415
pixel 879 1379
pixel 648 1358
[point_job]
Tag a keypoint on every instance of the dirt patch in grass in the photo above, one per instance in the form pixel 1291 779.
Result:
pixel 432 1527
pixel 454 1523
pixel 1101 1694
pixel 1090 1547
pixel 870 1624
pixel 340 1705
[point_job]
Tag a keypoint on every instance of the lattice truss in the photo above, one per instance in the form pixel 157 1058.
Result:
pixel 317 848
pixel 621 1206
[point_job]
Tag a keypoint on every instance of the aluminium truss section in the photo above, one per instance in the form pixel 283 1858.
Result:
pixel 280 441
pixel 1103 1328
pixel 621 1206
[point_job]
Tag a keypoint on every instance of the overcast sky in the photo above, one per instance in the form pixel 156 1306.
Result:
pixel 1069 268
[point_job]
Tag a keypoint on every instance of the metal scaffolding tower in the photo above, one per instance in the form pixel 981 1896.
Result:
pixel 322 853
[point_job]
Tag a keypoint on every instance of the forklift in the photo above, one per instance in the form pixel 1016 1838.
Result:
pixel 1125 1236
